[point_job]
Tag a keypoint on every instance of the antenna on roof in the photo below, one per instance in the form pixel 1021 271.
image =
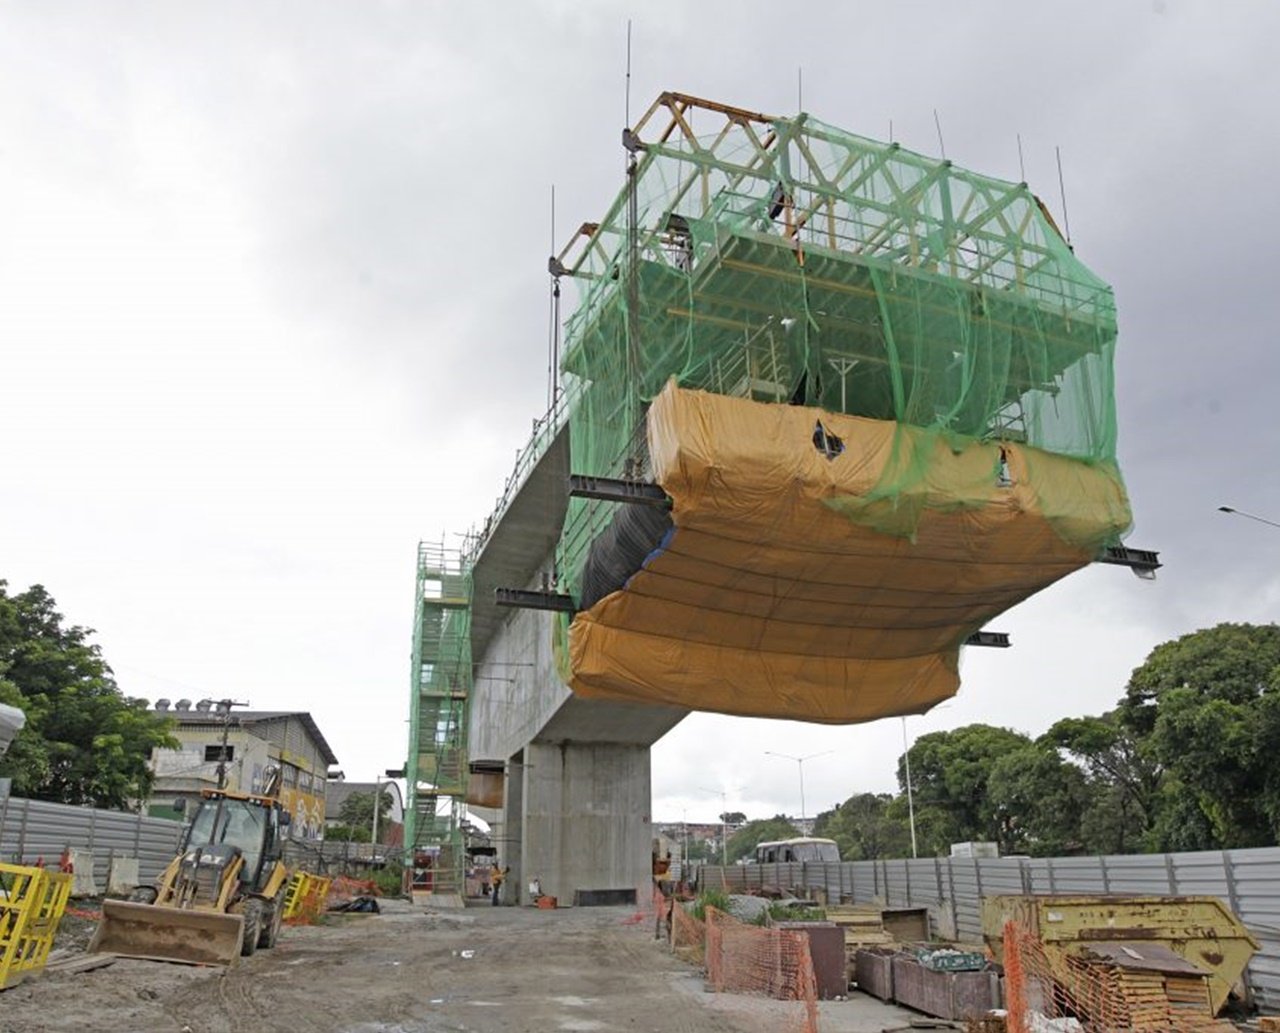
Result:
pixel 628 104
pixel 1022 168
pixel 1062 189
pixel 938 122
pixel 891 130
pixel 553 316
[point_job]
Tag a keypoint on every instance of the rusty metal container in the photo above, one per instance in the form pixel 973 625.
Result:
pixel 1202 930
pixel 944 995
pixel 826 949
pixel 873 972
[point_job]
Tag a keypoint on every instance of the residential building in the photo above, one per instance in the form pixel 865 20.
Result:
pixel 255 741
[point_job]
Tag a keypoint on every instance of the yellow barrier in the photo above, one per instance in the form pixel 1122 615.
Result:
pixel 31 905
pixel 305 897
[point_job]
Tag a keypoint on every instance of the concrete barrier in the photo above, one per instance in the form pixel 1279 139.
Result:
pixel 83 884
pixel 122 876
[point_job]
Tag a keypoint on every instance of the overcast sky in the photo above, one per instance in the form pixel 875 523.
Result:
pixel 273 307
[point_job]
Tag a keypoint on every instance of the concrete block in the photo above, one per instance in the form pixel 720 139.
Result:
pixel 122 876
pixel 83 884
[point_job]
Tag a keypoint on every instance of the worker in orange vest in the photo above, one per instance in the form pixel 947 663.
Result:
pixel 496 877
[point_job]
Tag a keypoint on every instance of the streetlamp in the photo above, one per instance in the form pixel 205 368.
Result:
pixel 1248 516
pixel 800 764
pixel 911 803
pixel 724 824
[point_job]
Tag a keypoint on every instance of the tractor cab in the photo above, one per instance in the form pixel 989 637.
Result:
pixel 231 825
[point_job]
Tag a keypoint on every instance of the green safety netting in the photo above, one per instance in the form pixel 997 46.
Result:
pixel 784 260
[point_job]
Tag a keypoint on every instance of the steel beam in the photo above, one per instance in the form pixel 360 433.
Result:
pixel 615 489
pixel 1143 562
pixel 524 599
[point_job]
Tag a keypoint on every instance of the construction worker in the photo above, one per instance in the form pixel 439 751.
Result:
pixel 496 877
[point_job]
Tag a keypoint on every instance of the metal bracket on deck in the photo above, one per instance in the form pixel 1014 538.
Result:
pixel 995 639
pixel 526 600
pixel 615 489
pixel 1143 562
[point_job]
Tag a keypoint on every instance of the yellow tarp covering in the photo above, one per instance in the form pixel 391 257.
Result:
pixel 831 589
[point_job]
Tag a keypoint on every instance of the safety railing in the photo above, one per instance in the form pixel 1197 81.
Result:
pixel 306 897
pixel 31 905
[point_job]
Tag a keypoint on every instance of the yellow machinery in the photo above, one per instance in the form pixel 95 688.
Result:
pixel 223 896
pixel 1201 930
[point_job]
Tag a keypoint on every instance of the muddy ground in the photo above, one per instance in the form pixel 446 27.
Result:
pixel 409 970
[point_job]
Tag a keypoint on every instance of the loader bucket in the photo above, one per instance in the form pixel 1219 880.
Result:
pixel 188 936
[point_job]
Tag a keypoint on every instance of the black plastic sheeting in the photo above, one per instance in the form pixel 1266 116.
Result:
pixel 358 906
pixel 621 549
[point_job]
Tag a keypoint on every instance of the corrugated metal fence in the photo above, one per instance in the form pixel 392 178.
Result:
pixel 952 888
pixel 31 830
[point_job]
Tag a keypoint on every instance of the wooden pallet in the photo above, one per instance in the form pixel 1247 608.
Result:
pixel 863 926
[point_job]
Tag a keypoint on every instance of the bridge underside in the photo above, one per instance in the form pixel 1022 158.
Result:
pixel 576 805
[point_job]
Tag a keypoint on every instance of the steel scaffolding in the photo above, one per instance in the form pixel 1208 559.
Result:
pixel 440 691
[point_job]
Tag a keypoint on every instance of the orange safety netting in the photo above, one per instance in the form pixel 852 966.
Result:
pixel 743 958
pixel 688 935
pixel 1099 994
pixel 345 888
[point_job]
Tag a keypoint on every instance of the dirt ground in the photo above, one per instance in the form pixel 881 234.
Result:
pixel 410 970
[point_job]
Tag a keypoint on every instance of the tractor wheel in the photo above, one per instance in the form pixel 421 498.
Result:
pixel 252 927
pixel 272 919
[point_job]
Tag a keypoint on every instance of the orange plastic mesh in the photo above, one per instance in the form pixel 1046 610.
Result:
pixel 688 935
pixel 1101 996
pixel 345 888
pixel 748 959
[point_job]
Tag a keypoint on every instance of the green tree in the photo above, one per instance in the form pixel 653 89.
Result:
pixel 1124 780
pixel 357 810
pixel 699 850
pixel 1037 800
pixel 743 842
pixel 949 773
pixel 344 833
pixel 866 827
pixel 84 742
pixel 1205 708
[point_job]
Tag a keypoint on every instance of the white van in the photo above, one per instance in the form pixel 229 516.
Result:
pixel 799 850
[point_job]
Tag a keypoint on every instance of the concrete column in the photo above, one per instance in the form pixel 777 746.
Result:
pixel 586 814
pixel 511 830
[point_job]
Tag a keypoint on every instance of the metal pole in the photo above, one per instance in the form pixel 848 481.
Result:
pixel 224 706
pixel 911 806
pixel 377 800
pixel 724 830
pixel 800 761
pixel 1249 516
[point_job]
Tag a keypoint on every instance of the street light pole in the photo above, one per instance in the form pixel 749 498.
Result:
pixel 377 800
pixel 1248 516
pixel 800 764
pixel 911 804
pixel 724 823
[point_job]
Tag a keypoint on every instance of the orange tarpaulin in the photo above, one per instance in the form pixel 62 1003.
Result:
pixel 827 567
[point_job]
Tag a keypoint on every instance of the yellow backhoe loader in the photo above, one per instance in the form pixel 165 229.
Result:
pixel 220 898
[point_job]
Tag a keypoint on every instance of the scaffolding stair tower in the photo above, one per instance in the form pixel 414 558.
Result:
pixel 441 690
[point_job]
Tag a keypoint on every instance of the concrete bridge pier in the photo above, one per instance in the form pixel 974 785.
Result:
pixel 576 810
